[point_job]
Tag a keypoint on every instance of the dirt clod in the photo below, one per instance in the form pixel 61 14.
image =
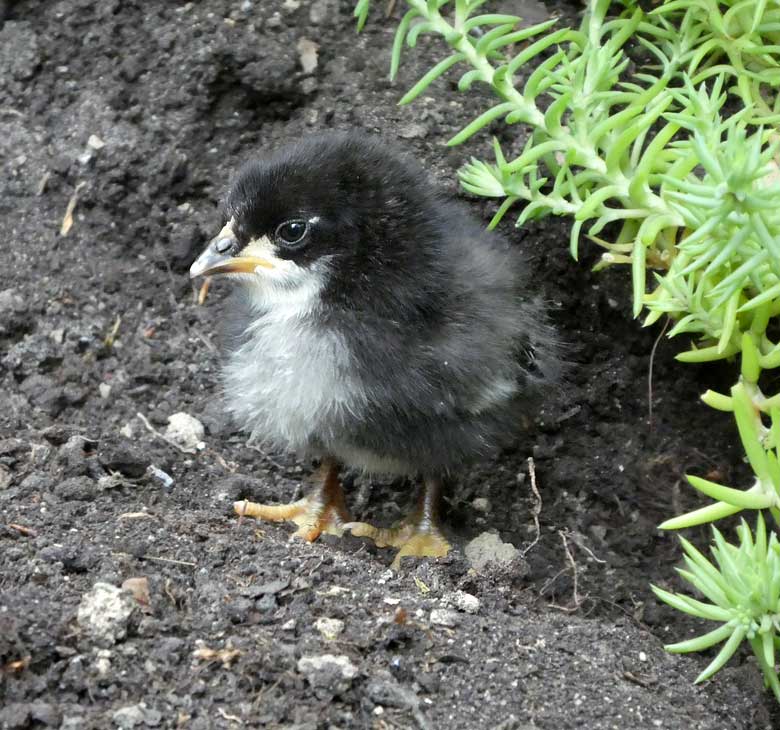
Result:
pixel 104 612
pixel 489 549
pixel 118 454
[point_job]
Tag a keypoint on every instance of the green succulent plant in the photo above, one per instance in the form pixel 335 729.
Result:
pixel 742 588
pixel 655 133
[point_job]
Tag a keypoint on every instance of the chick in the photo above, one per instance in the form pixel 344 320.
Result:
pixel 375 325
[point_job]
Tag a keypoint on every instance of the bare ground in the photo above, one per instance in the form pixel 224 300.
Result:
pixel 138 112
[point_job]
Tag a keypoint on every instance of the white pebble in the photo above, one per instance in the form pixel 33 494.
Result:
pixel 330 628
pixel 104 612
pixel 444 617
pixel 481 504
pixel 186 431
pixel 463 601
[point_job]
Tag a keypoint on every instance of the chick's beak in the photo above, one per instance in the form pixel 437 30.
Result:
pixel 219 257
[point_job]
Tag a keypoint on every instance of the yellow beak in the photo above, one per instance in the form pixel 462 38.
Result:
pixel 218 259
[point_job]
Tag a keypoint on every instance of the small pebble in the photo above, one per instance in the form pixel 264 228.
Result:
pixel 444 617
pixel 330 628
pixel 386 576
pixel 102 663
pixel 307 54
pixel 462 601
pixel 481 504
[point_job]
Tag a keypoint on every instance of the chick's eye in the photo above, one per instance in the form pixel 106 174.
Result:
pixel 292 232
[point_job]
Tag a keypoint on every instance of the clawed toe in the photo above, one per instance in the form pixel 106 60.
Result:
pixel 412 539
pixel 323 510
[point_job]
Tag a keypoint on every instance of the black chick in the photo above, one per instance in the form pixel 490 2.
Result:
pixel 377 326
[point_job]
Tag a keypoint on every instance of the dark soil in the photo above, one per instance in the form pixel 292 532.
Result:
pixel 101 325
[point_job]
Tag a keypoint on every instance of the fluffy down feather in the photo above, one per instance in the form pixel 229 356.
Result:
pixel 403 338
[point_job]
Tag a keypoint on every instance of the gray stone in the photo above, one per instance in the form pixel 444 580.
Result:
pixel 332 672
pixel 388 692
pixel 133 716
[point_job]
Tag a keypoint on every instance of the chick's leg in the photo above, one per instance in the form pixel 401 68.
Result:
pixel 322 510
pixel 417 535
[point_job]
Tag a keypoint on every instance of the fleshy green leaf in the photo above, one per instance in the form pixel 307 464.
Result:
pixel 705 641
pixel 728 650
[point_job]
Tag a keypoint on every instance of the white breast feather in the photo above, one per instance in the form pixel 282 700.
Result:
pixel 290 382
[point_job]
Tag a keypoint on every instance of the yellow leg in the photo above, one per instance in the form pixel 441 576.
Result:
pixel 417 535
pixel 322 510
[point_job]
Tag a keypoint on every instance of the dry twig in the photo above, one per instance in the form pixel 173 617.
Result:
pixel 224 656
pixel 536 509
pixel 138 516
pixel 27 531
pixel 578 600
pixel 67 220
pixel 650 372
pixel 230 718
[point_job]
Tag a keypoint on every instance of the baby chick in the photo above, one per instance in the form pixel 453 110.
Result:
pixel 375 325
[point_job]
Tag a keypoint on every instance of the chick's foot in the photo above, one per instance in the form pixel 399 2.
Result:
pixel 408 537
pixel 418 535
pixel 322 510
